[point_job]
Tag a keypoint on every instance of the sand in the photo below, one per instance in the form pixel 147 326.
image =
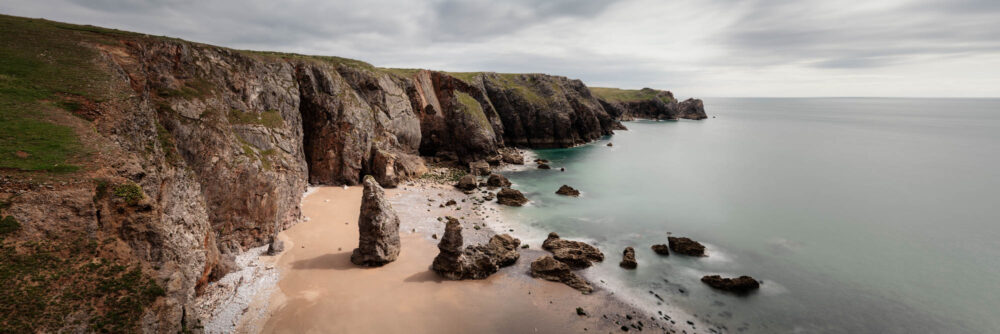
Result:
pixel 321 291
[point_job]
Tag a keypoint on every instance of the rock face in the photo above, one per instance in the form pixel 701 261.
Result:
pixel 574 253
pixel 686 246
pixel 222 143
pixel 661 249
pixel 550 269
pixel 742 284
pixel 467 183
pixel 497 180
pixel 511 197
pixel 628 259
pixel 473 262
pixel 655 104
pixel 275 247
pixel 378 226
pixel 566 190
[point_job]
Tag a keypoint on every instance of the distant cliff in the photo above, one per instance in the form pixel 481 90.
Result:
pixel 164 158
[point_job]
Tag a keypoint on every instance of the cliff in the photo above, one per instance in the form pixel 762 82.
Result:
pixel 134 167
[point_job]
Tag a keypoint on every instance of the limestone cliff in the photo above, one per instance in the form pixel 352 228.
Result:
pixel 182 154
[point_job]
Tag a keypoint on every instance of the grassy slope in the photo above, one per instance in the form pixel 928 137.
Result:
pixel 627 95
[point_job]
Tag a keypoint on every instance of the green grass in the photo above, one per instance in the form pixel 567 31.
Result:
pixel 41 62
pixel 270 118
pixel 191 89
pixel 130 192
pixel 472 107
pixel 468 77
pixel 629 95
pixel 8 225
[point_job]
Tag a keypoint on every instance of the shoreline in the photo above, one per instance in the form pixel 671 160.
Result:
pixel 319 290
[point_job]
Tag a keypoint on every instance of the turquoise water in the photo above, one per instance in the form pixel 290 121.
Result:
pixel 860 215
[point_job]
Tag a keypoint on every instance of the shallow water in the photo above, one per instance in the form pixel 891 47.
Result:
pixel 860 215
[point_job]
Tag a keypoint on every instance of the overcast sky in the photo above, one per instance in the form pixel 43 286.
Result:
pixel 702 48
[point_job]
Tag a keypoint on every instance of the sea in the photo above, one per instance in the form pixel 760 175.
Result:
pixel 859 215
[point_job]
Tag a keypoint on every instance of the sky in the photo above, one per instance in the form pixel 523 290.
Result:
pixel 695 48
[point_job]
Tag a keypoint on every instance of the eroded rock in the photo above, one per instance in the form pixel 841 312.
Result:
pixel 473 262
pixel 378 228
pixel 511 197
pixel 574 253
pixel 566 190
pixel 661 249
pixel 497 180
pixel 479 168
pixel 742 284
pixel 628 259
pixel 548 268
pixel 467 183
pixel 686 246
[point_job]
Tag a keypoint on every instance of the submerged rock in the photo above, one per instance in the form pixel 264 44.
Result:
pixel 686 246
pixel 378 228
pixel 511 197
pixel 548 268
pixel 497 180
pixel 544 166
pixel 473 262
pixel 628 259
pixel 742 284
pixel 574 253
pixel 566 190
pixel 467 183
pixel 661 249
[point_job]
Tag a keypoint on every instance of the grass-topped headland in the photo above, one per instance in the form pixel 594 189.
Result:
pixel 630 95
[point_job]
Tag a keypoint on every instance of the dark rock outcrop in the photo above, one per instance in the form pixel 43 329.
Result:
pixel 566 190
pixel 648 103
pixel 511 156
pixel 467 183
pixel 686 246
pixel 472 262
pixel 628 259
pixel 511 197
pixel 574 253
pixel 479 168
pixel 497 180
pixel 378 228
pixel 661 249
pixel 742 284
pixel 548 268
pixel 544 166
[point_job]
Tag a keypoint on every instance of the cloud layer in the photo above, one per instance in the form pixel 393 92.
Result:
pixel 696 48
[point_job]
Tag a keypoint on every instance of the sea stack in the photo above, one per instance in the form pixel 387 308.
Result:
pixel 628 259
pixel 566 190
pixel 686 246
pixel 378 228
pixel 473 262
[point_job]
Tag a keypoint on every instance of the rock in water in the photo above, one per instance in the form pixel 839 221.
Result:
pixel 628 259
pixel 275 247
pixel 378 227
pixel 467 183
pixel 511 197
pixel 497 180
pixel 544 166
pixel 574 253
pixel 566 190
pixel 548 268
pixel 479 168
pixel 686 246
pixel 473 262
pixel 742 284
pixel 661 249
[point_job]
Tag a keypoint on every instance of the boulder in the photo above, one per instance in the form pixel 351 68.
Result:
pixel 574 253
pixel 661 249
pixel 467 183
pixel 628 259
pixel 544 166
pixel 742 284
pixel 488 197
pixel 497 180
pixel 275 247
pixel 686 246
pixel 511 197
pixel 610 144
pixel 548 268
pixel 479 168
pixel 378 228
pixel 566 190
pixel 472 262
pixel 511 156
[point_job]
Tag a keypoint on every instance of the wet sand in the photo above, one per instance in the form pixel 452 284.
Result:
pixel 321 291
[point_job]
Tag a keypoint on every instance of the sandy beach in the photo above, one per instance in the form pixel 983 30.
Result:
pixel 321 291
